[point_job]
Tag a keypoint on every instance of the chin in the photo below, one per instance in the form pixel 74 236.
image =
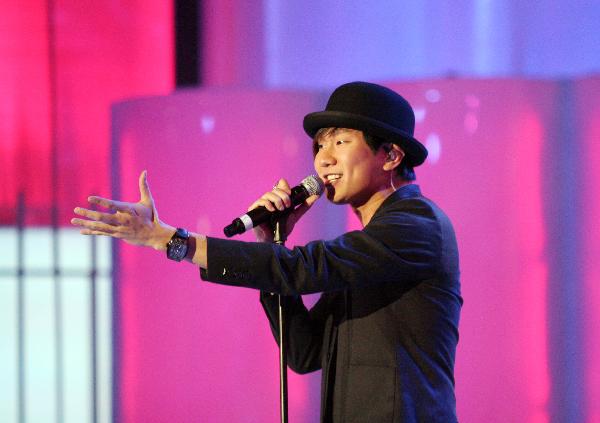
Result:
pixel 333 198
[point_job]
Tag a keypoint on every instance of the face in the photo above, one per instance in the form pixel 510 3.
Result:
pixel 352 173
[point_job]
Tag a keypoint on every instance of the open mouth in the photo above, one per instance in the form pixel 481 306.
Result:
pixel 332 178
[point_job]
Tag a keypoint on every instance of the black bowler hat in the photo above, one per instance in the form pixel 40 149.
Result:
pixel 373 109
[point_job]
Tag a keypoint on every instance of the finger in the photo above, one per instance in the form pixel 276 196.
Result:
pixel 270 201
pixel 304 207
pixel 145 194
pixel 311 200
pixel 280 199
pixel 285 196
pixel 262 203
pixel 92 232
pixel 283 185
pixel 110 204
pixel 109 218
pixel 300 210
pixel 95 226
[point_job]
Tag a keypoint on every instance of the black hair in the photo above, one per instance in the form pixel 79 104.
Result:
pixel 404 170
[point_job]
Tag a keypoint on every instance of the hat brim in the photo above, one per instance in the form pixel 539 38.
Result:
pixel 416 153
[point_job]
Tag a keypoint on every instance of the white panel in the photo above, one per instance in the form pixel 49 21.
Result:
pixel 77 350
pixel 38 248
pixel 75 250
pixel 40 351
pixel 104 254
pixel 8 349
pixel 8 254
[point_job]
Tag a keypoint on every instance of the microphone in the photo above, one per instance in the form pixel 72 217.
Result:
pixel 311 185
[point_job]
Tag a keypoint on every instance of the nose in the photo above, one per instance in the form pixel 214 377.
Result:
pixel 324 158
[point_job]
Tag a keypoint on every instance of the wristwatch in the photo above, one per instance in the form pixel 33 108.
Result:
pixel 177 247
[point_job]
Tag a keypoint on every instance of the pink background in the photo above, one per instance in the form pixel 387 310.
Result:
pixel 56 93
pixel 190 349
pixel 515 163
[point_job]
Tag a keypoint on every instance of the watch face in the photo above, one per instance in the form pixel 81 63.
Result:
pixel 178 245
pixel 177 249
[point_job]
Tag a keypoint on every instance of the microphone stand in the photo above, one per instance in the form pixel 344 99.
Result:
pixel 279 238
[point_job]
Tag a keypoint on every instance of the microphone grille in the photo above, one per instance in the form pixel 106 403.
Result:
pixel 313 185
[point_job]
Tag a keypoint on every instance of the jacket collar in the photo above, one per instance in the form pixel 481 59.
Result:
pixel 402 193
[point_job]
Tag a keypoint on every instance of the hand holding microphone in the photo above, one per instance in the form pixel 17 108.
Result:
pixel 293 202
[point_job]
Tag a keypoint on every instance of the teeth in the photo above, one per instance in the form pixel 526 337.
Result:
pixel 333 177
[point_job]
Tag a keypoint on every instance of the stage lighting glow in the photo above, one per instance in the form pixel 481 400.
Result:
pixel 420 113
pixel 432 95
pixel 207 123
pixel 434 146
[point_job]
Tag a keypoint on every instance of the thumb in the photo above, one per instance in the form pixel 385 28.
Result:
pixel 303 208
pixel 145 195
pixel 311 200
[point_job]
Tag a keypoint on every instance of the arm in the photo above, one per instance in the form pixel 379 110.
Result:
pixel 136 223
pixel 401 247
pixel 305 329
pixel 139 224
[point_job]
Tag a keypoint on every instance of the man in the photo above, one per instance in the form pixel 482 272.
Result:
pixel 385 329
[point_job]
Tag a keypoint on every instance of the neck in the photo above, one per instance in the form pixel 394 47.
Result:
pixel 365 211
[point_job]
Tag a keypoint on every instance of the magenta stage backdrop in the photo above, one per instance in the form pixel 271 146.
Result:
pixel 62 64
pixel 192 351
pixel 499 164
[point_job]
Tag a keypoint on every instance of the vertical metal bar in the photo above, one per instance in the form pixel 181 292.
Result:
pixel 93 330
pixel 116 333
pixel 115 182
pixel 283 380
pixel 54 201
pixel 58 335
pixel 58 318
pixel 280 236
pixel 564 231
pixel 20 308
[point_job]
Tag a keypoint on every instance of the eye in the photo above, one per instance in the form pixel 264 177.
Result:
pixel 339 142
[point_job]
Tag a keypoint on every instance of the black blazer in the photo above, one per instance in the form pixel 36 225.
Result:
pixel 385 330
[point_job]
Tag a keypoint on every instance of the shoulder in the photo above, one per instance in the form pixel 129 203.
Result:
pixel 413 206
pixel 411 210
pixel 416 218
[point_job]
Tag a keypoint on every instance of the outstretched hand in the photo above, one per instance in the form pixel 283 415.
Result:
pixel 135 223
pixel 279 199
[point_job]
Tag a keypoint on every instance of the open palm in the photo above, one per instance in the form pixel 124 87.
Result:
pixel 135 223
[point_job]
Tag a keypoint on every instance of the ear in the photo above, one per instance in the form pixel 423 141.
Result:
pixel 393 158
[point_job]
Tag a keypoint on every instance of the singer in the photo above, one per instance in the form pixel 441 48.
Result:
pixel 385 329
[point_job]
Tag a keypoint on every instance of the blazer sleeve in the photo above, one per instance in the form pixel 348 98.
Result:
pixel 398 246
pixel 305 329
